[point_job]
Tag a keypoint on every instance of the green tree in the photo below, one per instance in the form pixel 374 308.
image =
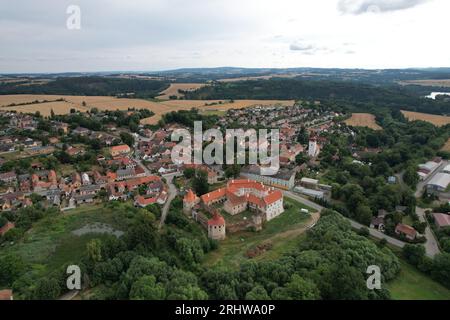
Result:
pixel 146 288
pixel 297 289
pixel 200 182
pixel 257 293
pixel 47 289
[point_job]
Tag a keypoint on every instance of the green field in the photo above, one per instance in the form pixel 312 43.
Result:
pixel 411 284
pixel 283 233
pixel 51 243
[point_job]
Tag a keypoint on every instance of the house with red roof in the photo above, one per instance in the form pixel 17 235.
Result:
pixel 441 220
pixel 120 150
pixel 190 200
pixel 407 231
pixel 144 201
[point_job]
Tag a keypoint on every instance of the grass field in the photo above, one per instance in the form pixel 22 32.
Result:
pixel 112 103
pixel 172 90
pixel 283 233
pixel 438 121
pixel 411 284
pixel 51 243
pixel 363 120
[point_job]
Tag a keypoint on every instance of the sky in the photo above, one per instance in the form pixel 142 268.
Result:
pixel 151 35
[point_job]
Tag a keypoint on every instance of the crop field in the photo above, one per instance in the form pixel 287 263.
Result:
pixel 85 103
pixel 428 83
pixel 438 121
pixel 363 120
pixel 174 87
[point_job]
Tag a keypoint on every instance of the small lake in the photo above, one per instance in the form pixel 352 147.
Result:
pixel 433 95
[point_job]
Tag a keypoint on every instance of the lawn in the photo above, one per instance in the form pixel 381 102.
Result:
pixel 51 243
pixel 411 284
pixel 282 232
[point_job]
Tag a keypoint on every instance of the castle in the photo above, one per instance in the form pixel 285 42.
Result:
pixel 237 197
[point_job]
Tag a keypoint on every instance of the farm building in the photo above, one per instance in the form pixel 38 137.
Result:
pixel 439 182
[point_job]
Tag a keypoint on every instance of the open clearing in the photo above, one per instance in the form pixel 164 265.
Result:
pixel 113 103
pixel 363 120
pixel 56 240
pixel 438 121
pixel 411 284
pixel 172 90
pixel 283 233
pixel 428 83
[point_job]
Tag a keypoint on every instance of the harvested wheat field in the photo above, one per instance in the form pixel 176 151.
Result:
pixel 438 121
pixel 363 120
pixel 172 90
pixel 112 103
pixel 445 83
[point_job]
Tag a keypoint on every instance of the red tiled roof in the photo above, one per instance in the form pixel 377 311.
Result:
pixel 405 229
pixel 216 220
pixel 190 196
pixel 273 197
pixel 214 195
pixel 8 226
pixel 6 294
pixel 442 219
pixel 121 148
pixel 145 201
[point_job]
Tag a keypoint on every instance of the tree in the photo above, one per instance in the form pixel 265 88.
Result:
pixel 441 269
pixel 200 182
pixel 414 253
pixel 189 173
pixel 127 139
pixel 94 250
pixel 47 289
pixel 410 177
pixel 11 267
pixel 257 293
pixel 297 289
pixel 146 288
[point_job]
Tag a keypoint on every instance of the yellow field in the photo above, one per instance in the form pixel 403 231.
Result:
pixel 438 121
pixel 363 120
pixel 112 103
pixel 172 90
pixel 428 83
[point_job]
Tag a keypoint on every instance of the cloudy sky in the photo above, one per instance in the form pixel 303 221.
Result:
pixel 138 35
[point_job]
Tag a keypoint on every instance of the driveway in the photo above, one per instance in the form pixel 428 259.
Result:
pixel 172 193
pixel 431 246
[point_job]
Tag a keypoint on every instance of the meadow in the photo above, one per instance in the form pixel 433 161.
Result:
pixel 363 120
pixel 438 121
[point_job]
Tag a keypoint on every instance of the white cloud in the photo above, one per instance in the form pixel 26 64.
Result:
pixel 376 6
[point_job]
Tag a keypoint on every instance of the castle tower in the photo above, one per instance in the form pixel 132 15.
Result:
pixel 189 201
pixel 216 227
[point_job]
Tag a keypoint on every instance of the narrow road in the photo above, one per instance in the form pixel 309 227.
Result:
pixel 172 192
pixel 431 246
pixel 69 295
pixel 374 233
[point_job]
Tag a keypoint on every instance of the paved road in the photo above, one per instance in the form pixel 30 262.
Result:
pixel 374 233
pixel 172 194
pixel 431 246
pixel 69 295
